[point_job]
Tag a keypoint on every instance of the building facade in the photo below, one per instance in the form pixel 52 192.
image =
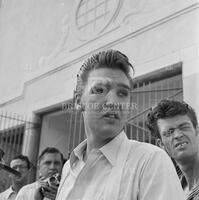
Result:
pixel 43 44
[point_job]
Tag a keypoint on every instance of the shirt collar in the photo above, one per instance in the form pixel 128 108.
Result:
pixel 77 153
pixel 9 192
pixel 109 150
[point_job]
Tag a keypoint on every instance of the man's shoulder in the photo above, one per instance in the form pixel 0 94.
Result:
pixel 145 151
pixel 4 193
pixel 29 186
pixel 7 194
pixel 144 147
pixel 66 167
pixel 27 191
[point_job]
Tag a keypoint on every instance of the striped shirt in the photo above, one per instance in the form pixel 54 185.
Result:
pixel 194 194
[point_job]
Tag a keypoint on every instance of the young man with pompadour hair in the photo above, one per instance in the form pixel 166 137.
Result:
pixel 107 165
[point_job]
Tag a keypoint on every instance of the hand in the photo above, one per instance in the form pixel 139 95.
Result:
pixel 49 192
pixel 38 195
pixel 44 190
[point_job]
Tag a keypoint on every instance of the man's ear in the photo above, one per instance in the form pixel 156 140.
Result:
pixel 160 144
pixel 78 104
pixel 197 130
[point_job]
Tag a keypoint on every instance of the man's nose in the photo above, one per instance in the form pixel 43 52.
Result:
pixel 177 133
pixel 52 166
pixel 111 98
pixel 111 103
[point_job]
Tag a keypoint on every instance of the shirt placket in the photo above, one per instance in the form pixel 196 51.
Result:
pixel 85 176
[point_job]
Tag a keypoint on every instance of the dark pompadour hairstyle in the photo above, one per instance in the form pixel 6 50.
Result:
pixel 24 158
pixel 50 150
pixel 166 109
pixel 106 59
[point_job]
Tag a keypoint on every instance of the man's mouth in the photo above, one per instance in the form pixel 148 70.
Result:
pixel 111 115
pixel 180 145
pixel 50 173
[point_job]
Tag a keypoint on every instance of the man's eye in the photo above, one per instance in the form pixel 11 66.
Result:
pixel 123 93
pixel 97 90
pixel 47 163
pixel 168 132
pixel 57 163
pixel 184 128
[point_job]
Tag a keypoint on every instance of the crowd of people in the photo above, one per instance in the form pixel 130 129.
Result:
pixel 108 165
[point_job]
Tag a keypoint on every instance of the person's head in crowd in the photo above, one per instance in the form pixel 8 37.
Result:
pixel 22 164
pixel 50 162
pixel 175 126
pixel 103 93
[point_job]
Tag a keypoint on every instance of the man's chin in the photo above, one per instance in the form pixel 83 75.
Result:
pixel 110 132
pixel 181 156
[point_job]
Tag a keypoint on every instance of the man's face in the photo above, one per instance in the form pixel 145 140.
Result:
pixel 179 138
pixel 50 164
pixel 106 101
pixel 21 166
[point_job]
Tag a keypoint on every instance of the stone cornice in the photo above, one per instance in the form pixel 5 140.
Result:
pixel 106 46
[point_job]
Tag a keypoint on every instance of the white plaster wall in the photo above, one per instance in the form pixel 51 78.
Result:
pixel 55 133
pixel 31 30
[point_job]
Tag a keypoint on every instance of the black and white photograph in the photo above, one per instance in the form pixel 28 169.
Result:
pixel 99 99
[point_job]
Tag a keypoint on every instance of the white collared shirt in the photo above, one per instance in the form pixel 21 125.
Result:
pixel 8 194
pixel 148 173
pixel 27 192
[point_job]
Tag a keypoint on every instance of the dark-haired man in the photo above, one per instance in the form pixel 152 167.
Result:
pixel 175 126
pixel 22 164
pixel 108 165
pixel 50 162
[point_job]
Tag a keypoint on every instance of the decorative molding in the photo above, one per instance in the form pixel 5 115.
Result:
pixel 61 46
pixel 82 36
pixel 132 10
pixel 95 38
pixel 137 9
pixel 106 46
